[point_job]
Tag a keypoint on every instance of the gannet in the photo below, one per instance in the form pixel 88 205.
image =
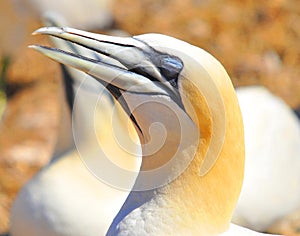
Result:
pixel 271 187
pixel 179 94
pixel 90 14
pixel 63 199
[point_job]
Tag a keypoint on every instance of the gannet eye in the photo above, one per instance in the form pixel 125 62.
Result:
pixel 170 67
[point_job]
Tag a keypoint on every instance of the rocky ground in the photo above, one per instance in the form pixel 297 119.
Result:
pixel 257 41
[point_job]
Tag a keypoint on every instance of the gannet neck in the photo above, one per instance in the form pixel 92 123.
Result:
pixel 202 204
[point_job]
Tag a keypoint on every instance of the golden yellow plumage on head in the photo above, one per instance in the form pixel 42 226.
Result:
pixel 206 85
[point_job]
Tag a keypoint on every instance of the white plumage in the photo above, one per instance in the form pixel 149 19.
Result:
pixel 65 197
pixel 271 187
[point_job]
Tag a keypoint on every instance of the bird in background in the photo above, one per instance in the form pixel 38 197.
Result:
pixel 65 197
pixel 88 14
pixel 271 187
pixel 190 185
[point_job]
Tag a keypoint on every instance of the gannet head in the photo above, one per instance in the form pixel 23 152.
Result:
pixel 190 83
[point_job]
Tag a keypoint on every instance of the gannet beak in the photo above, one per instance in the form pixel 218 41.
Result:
pixel 125 63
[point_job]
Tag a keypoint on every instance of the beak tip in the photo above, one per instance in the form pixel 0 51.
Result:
pixel 35 32
pixel 49 30
pixel 42 30
pixel 36 48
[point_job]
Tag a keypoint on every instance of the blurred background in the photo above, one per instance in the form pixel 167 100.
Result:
pixel 256 41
